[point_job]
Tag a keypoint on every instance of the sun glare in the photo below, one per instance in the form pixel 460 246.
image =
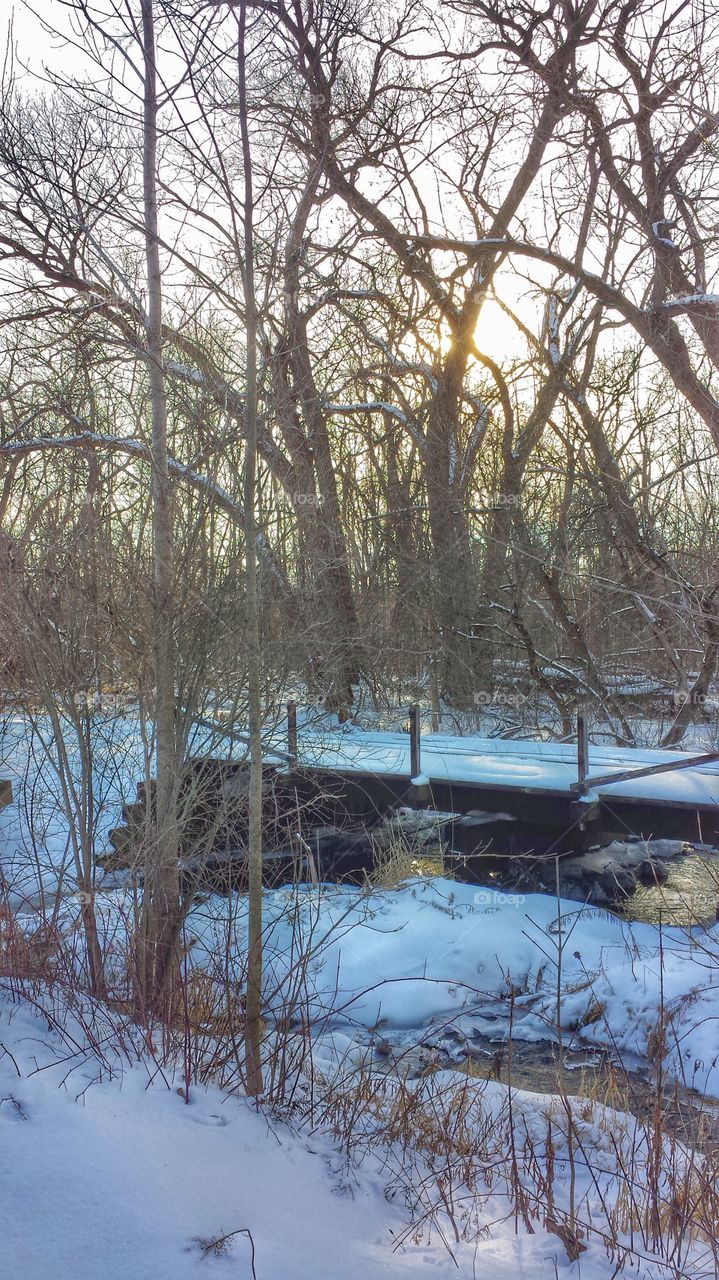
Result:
pixel 497 336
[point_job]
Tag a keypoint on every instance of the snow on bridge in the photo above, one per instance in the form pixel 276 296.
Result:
pixel 547 767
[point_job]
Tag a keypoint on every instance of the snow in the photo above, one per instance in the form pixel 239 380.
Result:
pixel 656 232
pixel 553 330
pixel 436 952
pixel 367 406
pixel 184 371
pixel 113 1173
pixel 36 851
pixel 105 1170
pixel 500 763
pixel 413 958
pixel 35 847
pixel 691 299
pixel 118 1181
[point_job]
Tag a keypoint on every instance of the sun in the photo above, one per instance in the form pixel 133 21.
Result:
pixel 496 334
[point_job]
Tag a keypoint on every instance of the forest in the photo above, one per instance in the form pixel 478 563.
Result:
pixel 359 379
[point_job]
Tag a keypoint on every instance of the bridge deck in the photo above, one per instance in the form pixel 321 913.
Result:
pixel 547 768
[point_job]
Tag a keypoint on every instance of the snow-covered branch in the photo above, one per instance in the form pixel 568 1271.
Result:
pixel 137 449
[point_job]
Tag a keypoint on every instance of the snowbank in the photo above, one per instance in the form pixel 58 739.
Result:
pixel 116 1176
pixel 435 951
pixel 116 1179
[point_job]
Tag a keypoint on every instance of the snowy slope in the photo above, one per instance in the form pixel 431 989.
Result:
pixel 116 1183
pixel 435 951
pixel 115 1180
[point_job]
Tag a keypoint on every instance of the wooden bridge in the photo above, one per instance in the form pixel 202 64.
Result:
pixel 570 793
pixel 326 789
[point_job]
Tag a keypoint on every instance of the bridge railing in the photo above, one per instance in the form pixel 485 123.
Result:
pixel 585 781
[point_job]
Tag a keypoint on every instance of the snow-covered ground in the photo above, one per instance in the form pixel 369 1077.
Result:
pixel 105 1170
pixel 61 779
pixel 114 1175
pixel 404 961
pixel 436 955
pixel 51 794
pixel 116 1179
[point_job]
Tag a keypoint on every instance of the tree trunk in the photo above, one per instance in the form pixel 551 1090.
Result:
pixel 334 616
pixel 161 900
pixel 253 1006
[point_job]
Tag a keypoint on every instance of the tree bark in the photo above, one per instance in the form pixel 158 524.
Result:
pixel 253 1006
pixel 161 900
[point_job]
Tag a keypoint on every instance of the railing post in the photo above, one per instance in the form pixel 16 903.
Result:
pixel 582 749
pixel 414 749
pixel 292 731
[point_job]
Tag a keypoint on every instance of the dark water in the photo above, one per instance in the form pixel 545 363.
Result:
pixel 690 896
pixel 624 1083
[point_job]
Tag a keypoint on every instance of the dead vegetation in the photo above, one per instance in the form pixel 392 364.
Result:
pixel 590 1162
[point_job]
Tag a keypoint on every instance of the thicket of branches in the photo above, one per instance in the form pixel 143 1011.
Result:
pixel 418 499
pixel 254 430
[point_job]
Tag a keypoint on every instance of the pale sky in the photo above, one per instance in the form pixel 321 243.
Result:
pixel 36 49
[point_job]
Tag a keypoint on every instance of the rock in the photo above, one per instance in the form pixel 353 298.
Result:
pixel 618 882
pixel 653 872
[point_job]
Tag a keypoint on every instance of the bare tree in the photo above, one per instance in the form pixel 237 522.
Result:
pixel 253 1011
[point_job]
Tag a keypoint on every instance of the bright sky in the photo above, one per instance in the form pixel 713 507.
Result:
pixel 33 46
pixel 496 336
pixel 35 49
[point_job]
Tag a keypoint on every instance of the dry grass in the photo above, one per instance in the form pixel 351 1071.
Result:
pixel 403 858
pixel 447 1144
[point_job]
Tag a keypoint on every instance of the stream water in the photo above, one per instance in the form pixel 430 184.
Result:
pixel 689 897
pixel 626 1084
